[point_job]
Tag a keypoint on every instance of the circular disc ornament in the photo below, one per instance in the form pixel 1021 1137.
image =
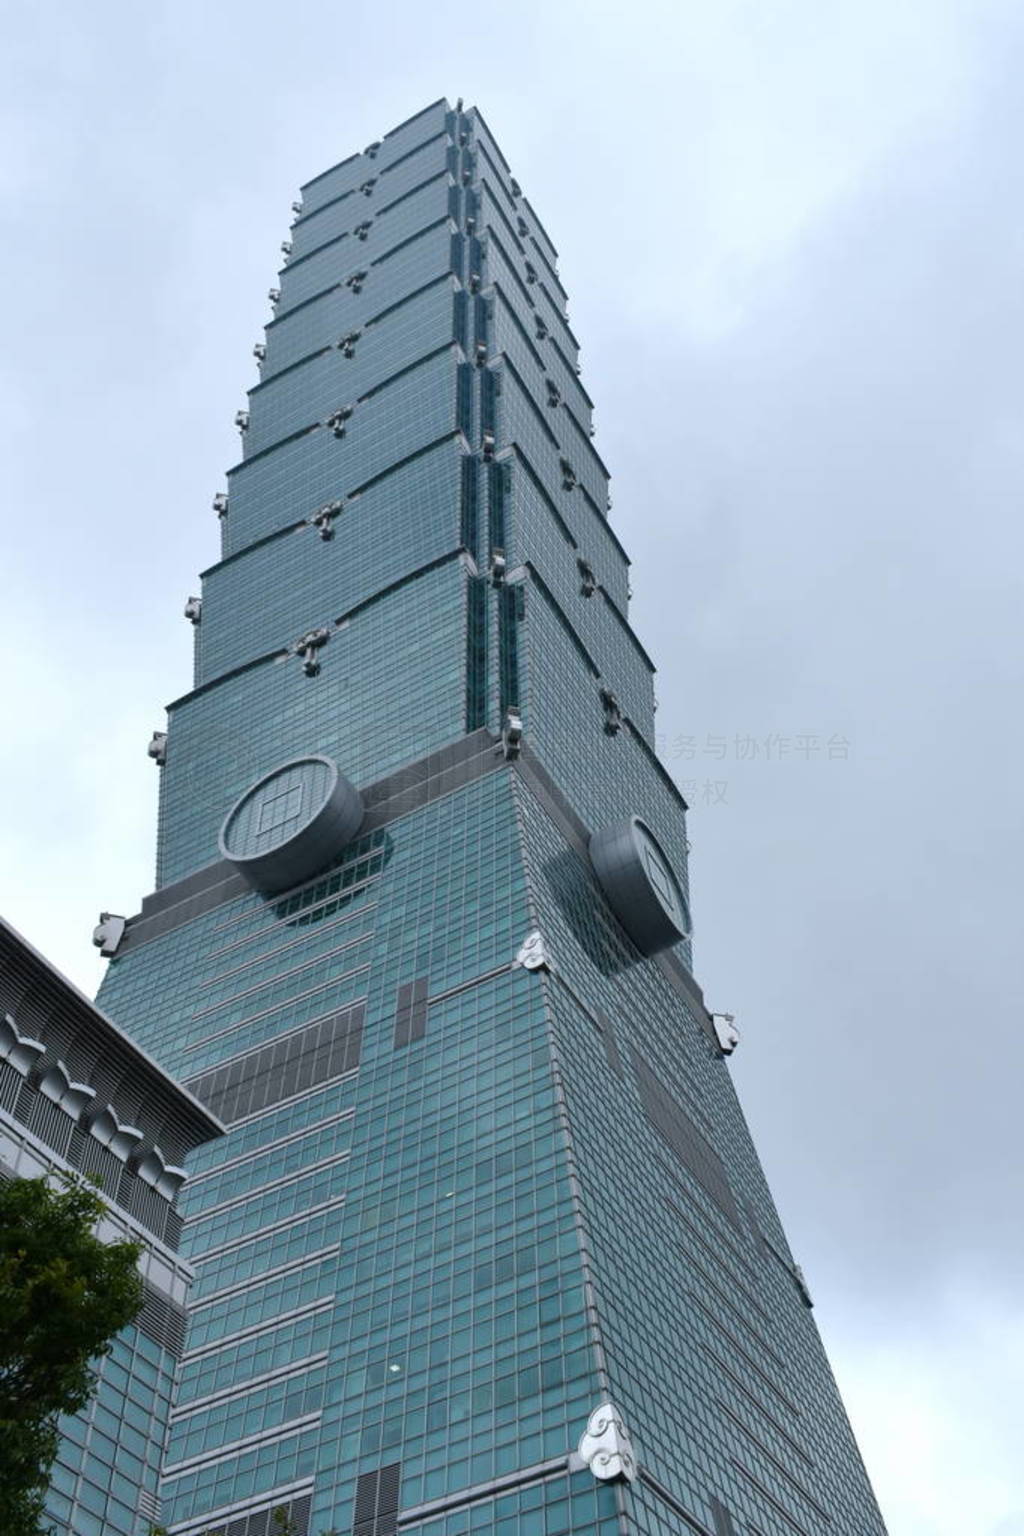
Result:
pixel 641 888
pixel 291 823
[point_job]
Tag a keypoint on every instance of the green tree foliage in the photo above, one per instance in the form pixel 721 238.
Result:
pixel 63 1297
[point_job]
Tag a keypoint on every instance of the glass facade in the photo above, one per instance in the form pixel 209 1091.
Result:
pixel 485 1169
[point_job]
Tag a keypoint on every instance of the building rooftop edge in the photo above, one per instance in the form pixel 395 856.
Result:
pixel 197 1110
pixel 441 101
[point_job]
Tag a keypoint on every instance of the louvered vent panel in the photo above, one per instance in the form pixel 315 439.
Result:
pixel 284 1068
pixel 376 1505
pixel 692 1148
pixel 723 1520
pixel 411 1012
pixel 162 1320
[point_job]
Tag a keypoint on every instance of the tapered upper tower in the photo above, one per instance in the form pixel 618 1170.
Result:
pixel 420 937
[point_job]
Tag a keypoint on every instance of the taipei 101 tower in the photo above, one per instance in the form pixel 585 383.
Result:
pixel 487 1247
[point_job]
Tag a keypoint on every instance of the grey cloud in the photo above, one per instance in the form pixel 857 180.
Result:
pixel 793 239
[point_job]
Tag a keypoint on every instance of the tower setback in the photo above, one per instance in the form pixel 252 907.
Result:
pixel 487 1247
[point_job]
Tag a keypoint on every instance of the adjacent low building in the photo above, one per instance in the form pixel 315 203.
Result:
pixel 76 1096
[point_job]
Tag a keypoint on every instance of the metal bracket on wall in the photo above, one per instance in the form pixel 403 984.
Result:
pixel 727 1035
pixel 337 420
pixel 612 712
pixel 511 734
pixel 109 932
pixel 308 647
pixel 323 518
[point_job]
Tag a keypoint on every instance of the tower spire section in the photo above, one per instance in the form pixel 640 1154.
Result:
pixel 487 1240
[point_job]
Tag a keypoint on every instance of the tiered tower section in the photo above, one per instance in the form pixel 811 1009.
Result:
pixel 419 472
pixel 486 1173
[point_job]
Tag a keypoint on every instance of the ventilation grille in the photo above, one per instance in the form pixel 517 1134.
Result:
pixel 149 1506
pixel 144 1203
pixel 95 1159
pixel 411 1012
pixel 162 1320
pixel 51 1124
pixel 82 1151
pixel 10 1085
pixel 692 1149
pixel 294 1517
pixel 277 1071
pixel 376 1508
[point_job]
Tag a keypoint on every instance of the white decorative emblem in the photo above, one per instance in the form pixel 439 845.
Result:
pixel 533 953
pixel 605 1446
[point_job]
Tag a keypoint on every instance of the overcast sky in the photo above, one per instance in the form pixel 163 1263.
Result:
pixel 793 236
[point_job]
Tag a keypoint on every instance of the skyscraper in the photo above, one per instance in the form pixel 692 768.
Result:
pixel 487 1246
